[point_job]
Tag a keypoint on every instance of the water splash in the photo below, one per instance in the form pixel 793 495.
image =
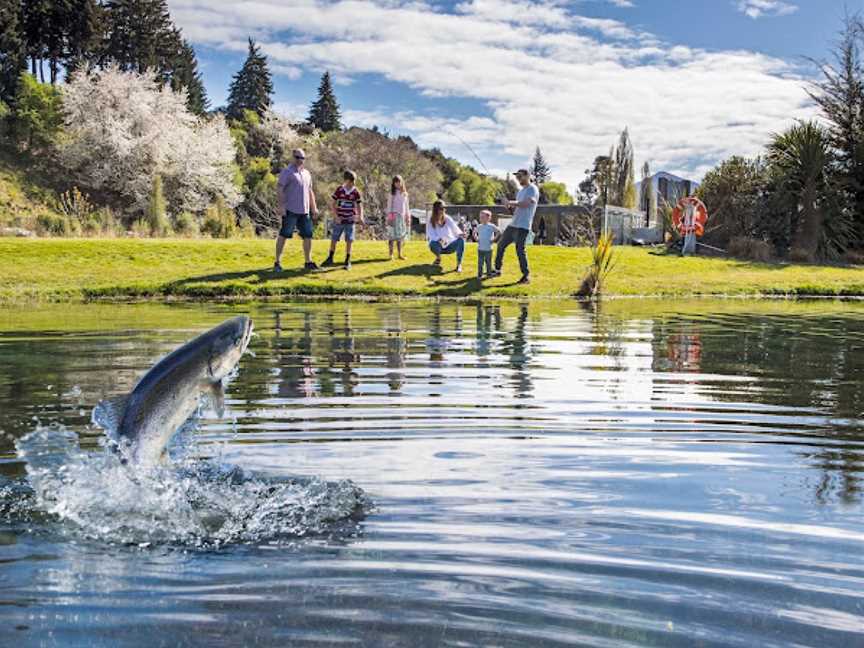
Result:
pixel 189 503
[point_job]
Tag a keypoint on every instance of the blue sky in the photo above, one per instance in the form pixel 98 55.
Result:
pixel 694 81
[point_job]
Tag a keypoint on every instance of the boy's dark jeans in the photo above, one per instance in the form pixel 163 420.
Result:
pixel 518 236
pixel 484 258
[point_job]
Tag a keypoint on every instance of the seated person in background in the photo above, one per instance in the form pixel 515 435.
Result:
pixel 444 235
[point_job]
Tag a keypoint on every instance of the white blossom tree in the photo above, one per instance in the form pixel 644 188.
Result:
pixel 122 130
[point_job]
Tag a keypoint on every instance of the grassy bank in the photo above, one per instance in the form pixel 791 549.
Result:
pixel 73 269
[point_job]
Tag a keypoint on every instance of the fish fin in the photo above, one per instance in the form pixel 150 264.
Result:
pixel 217 398
pixel 109 412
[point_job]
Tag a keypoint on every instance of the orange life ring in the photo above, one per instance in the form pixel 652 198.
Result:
pixel 698 216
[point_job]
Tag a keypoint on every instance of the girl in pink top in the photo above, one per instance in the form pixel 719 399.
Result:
pixel 398 216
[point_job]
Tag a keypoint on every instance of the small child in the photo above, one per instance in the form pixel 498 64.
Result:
pixel 486 234
pixel 348 208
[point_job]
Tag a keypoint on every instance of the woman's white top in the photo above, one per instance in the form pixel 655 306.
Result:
pixel 446 233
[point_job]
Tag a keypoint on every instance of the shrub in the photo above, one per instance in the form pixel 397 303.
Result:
pixel 76 206
pixel 800 255
pixel 48 224
pixel 140 228
pixel 157 215
pixel 247 229
pixel 122 128
pixel 854 257
pixel 603 262
pixel 745 247
pixel 185 224
pixel 106 223
pixel 319 230
pixel 5 114
pixel 38 116
pixel 219 221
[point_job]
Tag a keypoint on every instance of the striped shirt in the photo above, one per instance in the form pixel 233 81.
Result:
pixel 347 204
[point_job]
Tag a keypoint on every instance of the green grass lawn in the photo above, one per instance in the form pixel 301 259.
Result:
pixel 72 269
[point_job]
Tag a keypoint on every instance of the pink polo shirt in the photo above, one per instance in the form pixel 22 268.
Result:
pixel 295 185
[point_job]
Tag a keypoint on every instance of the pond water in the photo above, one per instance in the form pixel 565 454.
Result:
pixel 421 474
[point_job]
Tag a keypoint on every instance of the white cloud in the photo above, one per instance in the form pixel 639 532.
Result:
pixel 546 75
pixel 758 8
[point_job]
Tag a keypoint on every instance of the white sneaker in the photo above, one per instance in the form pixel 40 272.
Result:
pixel 459 268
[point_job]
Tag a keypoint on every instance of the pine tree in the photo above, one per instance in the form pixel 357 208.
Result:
pixel 840 96
pixel 34 19
pixel 252 86
pixel 539 169
pixel 324 113
pixel 186 75
pixel 12 60
pixel 84 36
pixel 140 36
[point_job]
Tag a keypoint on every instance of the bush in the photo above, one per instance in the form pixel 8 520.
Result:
pixel 744 247
pixel 76 206
pixel 185 224
pixel 157 215
pixel 140 228
pixel 319 230
pixel 247 229
pixel 123 128
pixel 106 223
pixel 56 225
pixel 219 221
pixel 5 115
pixel 854 257
pixel 38 115
pixel 800 255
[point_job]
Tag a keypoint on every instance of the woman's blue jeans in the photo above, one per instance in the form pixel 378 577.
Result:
pixel 456 247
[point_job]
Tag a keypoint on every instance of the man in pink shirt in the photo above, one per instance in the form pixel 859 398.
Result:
pixel 298 208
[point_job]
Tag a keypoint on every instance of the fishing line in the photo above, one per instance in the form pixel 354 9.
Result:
pixel 500 194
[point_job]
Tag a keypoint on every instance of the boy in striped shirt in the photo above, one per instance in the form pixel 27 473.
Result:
pixel 348 208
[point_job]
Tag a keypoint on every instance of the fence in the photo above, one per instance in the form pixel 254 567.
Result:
pixel 566 224
pixel 555 224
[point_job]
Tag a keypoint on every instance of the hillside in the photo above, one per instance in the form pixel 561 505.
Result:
pixel 26 200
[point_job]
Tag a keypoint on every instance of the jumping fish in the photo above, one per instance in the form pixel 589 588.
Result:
pixel 144 421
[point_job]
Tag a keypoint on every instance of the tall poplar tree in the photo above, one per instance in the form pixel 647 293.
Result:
pixel 324 113
pixel 252 86
pixel 623 160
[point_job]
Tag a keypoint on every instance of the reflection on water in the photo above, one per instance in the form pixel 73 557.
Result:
pixel 648 474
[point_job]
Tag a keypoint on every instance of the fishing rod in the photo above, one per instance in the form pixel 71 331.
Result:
pixel 500 196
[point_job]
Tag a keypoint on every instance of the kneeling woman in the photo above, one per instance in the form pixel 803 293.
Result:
pixel 444 235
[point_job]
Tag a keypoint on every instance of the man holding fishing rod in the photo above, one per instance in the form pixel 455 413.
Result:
pixel 524 208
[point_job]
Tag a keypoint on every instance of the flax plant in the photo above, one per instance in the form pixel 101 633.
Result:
pixel 603 262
